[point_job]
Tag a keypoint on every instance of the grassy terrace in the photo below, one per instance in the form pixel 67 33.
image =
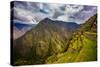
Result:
pixel 82 48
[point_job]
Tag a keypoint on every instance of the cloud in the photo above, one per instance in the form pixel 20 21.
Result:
pixel 62 18
pixel 23 15
pixel 24 22
pixel 29 11
pixel 86 13
pixel 72 9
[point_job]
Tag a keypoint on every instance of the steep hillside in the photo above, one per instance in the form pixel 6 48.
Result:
pixel 82 46
pixel 89 24
pixel 46 39
pixel 57 42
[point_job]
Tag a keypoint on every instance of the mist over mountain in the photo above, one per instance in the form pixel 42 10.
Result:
pixel 32 13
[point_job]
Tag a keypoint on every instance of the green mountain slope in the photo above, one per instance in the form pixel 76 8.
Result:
pixel 81 49
pixel 52 42
pixel 82 46
pixel 47 38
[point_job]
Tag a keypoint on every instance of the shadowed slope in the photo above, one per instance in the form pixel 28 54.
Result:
pixel 46 39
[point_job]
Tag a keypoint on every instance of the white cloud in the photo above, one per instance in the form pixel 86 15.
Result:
pixel 60 12
pixel 24 22
pixel 63 18
pixel 72 9
pixel 24 15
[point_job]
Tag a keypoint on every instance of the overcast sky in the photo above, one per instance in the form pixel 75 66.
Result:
pixel 33 12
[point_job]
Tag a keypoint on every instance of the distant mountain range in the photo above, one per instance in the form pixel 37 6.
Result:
pixel 20 29
pixel 56 42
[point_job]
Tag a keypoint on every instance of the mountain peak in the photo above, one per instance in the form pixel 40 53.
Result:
pixel 46 20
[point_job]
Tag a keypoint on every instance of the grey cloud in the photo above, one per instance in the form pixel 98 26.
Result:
pixel 39 11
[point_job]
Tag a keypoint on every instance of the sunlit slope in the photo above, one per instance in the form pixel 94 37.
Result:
pixel 57 42
pixel 81 48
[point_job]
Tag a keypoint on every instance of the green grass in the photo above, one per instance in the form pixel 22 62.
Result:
pixel 81 49
pixel 89 51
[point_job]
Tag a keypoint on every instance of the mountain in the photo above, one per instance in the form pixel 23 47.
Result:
pixel 68 25
pixel 47 38
pixel 82 46
pixel 57 42
pixel 20 29
pixel 17 33
pixel 89 24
